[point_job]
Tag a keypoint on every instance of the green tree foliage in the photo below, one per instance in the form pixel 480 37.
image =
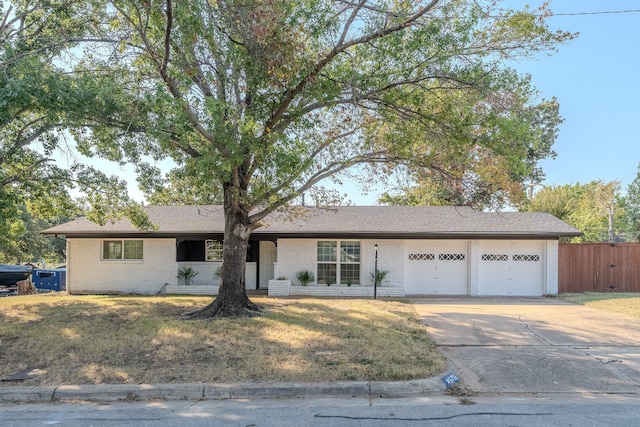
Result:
pixel 592 208
pixel 496 151
pixel 264 100
pixel 631 204
pixel 27 244
pixel 178 187
pixel 40 99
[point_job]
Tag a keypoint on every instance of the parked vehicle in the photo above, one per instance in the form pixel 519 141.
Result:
pixel 10 275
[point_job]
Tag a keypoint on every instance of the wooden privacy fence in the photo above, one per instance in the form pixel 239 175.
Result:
pixel 599 267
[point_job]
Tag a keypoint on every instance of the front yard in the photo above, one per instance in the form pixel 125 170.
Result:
pixel 100 339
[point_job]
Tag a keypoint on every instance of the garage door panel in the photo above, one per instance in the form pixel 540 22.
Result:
pixel 435 267
pixel 511 268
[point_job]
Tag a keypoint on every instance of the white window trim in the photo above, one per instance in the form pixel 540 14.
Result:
pixel 122 259
pixel 337 262
pixel 216 250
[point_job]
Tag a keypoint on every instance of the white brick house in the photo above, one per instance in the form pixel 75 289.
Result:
pixel 421 250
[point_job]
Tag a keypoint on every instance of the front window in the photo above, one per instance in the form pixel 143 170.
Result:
pixel 213 250
pixel 344 269
pixel 122 249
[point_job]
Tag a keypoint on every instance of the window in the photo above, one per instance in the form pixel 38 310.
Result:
pixel 529 258
pixel 495 257
pixel 451 257
pixel 344 269
pixel 122 249
pixel 421 257
pixel 213 250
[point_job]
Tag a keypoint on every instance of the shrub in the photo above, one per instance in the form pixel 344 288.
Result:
pixel 379 278
pixel 305 277
pixel 187 274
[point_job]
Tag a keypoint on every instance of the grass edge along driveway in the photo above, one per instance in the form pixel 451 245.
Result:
pixel 622 302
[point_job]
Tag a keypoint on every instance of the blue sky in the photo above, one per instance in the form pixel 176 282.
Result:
pixel 595 79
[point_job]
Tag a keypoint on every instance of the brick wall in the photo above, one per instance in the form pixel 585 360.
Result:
pixel 551 277
pixel 474 272
pixel 88 273
pixel 295 255
pixel 346 291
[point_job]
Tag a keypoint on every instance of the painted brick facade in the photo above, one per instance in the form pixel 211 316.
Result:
pixel 295 255
pixel 191 290
pixel 206 272
pixel 474 256
pixel 87 272
pixel 346 291
pixel 551 267
pixel 390 259
pixel 207 275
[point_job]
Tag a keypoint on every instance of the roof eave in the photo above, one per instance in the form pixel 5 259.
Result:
pixel 265 234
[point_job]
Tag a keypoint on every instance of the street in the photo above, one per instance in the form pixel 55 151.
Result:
pixel 555 410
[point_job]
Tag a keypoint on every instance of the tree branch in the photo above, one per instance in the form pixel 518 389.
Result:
pixel 291 94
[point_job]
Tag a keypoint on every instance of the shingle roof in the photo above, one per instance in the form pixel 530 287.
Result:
pixel 380 221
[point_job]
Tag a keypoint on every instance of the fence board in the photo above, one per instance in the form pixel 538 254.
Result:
pixel 599 267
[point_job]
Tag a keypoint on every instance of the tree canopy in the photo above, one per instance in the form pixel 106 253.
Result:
pixel 488 156
pixel 631 205
pixel 593 208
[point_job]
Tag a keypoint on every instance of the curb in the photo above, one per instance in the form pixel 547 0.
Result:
pixel 202 391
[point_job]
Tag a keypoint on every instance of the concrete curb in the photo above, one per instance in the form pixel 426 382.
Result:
pixel 202 391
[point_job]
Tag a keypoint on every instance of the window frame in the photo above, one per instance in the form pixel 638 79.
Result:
pixel 123 250
pixel 347 253
pixel 213 254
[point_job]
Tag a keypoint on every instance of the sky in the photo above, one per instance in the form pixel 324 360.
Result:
pixel 596 79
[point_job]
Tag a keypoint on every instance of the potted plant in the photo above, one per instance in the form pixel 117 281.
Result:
pixel 305 277
pixel 187 274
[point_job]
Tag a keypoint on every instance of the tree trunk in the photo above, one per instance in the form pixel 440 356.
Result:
pixel 232 300
pixel 25 287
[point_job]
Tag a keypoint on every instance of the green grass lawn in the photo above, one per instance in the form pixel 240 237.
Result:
pixel 108 339
pixel 625 303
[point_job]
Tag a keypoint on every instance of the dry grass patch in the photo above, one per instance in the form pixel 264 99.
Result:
pixel 93 339
pixel 624 303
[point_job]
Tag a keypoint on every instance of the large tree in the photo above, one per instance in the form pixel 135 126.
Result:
pixel 39 99
pixel 266 99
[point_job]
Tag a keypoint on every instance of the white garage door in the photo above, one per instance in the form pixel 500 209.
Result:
pixel 436 267
pixel 510 268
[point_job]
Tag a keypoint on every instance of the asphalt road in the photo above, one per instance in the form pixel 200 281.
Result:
pixel 535 345
pixel 424 411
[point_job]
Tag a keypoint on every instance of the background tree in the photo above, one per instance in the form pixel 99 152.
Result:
pixel 27 244
pixel 499 141
pixel 267 99
pixel 631 205
pixel 592 208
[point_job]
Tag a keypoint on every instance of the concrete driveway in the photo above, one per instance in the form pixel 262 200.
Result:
pixel 534 345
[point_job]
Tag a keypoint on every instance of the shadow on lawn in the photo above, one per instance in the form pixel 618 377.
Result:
pixel 139 340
